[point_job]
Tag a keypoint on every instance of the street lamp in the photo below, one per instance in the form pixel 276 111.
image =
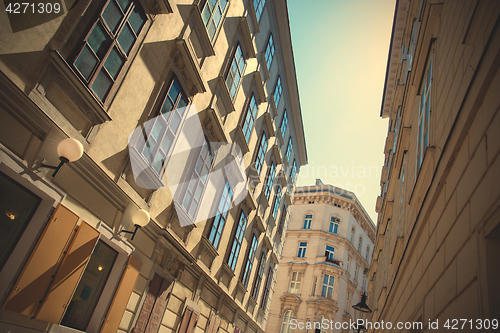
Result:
pixel 140 219
pixel 69 150
pixel 362 307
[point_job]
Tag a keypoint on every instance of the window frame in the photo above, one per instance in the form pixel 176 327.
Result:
pixel 261 151
pixel 295 280
pixel 289 150
pixel 308 217
pixel 285 326
pixel 217 226
pixel 259 9
pixel 245 277
pixel 335 222
pixel 327 287
pixel 221 22
pixel 259 276
pixel 270 50
pixel 250 117
pixel 237 242
pixel 271 173
pixel 330 252
pixel 424 113
pixel 277 91
pixel 284 124
pixel 78 48
pixel 276 202
pixel 302 249
pixel 230 67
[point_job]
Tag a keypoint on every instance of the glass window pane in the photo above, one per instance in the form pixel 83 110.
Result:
pixel 158 129
pixel 114 63
pixel 89 289
pixel 167 142
pixel 124 4
pixel 174 91
pixel 126 39
pixel 99 40
pixel 193 208
pixel 217 16
pixel 137 20
pixel 158 161
pixel 175 122
pixel 17 206
pixel 211 29
pixel 112 16
pixel 205 15
pixel 102 85
pixel 223 4
pixel 182 103
pixel 86 62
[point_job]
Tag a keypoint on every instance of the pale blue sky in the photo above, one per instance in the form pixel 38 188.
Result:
pixel 341 49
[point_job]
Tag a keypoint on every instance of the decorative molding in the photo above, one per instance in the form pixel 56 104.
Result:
pixel 246 37
pixel 184 59
pixel 268 122
pixel 202 32
pixel 224 93
pixel 259 87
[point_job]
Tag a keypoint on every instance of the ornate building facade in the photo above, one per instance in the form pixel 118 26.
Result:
pixel 128 81
pixel 437 241
pixel 327 253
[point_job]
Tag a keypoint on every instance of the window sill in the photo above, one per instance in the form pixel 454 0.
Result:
pixel 226 96
pixel 259 87
pixel 202 33
pixel 60 73
pixel 272 106
pixel 258 224
pixel 240 137
pixel 246 37
pixel 268 122
pixel 265 66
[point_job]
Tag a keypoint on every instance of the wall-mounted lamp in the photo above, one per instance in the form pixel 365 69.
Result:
pixel 362 306
pixel 69 150
pixel 140 219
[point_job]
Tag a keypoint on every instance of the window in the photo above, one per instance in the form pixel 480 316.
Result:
pixel 194 190
pixel 423 116
pixel 348 301
pixel 284 124
pixel 258 278
pixel 238 239
pixel 108 45
pixel 302 250
pixel 270 180
pixel 163 129
pixel 367 253
pixel 285 325
pixel 212 15
pixel 353 231
pixel 276 203
pixel 293 172
pixel 249 261
pixel 364 280
pixel 267 287
pixel 356 272
pixel 294 283
pixel 289 150
pixel 89 289
pixel 235 71
pixel 307 222
pixel 327 289
pixel 277 92
pixel 18 207
pixel 261 153
pixel 270 52
pixel 330 250
pixel 220 218
pixel 314 286
pixel 250 118
pixel 334 225
pixel 348 265
pixel 360 243
pixel 258 5
pixel 281 225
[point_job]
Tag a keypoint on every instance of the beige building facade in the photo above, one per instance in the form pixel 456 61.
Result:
pixel 128 80
pixel 437 246
pixel 327 253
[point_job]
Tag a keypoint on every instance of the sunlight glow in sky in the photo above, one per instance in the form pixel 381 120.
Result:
pixel 340 49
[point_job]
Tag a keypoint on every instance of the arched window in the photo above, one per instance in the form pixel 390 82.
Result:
pixel 318 325
pixel 285 324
